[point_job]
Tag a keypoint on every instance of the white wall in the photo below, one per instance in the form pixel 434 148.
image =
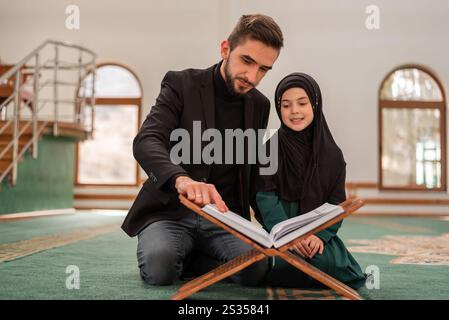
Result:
pixel 327 39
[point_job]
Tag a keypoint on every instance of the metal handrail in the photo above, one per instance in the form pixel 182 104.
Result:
pixel 31 55
pixel 22 152
pixel 11 143
pixel 19 95
pixel 5 126
pixel 7 101
pixel 41 86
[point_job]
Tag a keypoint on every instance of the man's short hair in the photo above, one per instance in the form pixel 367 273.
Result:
pixel 256 27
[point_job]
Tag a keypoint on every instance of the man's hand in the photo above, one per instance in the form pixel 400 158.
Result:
pixel 309 247
pixel 199 192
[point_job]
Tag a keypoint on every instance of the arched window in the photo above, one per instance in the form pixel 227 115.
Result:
pixel 107 158
pixel 412 131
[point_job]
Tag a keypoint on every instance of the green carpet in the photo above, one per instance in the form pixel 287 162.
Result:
pixel 16 230
pixel 108 268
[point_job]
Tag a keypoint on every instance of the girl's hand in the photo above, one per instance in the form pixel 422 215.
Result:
pixel 315 245
pixel 302 248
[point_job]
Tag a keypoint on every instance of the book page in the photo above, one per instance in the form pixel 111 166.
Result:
pixel 306 228
pixel 291 224
pixel 240 224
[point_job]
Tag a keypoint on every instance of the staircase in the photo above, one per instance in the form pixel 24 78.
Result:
pixel 25 143
pixel 31 101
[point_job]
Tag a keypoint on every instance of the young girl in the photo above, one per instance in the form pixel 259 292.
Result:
pixel 311 171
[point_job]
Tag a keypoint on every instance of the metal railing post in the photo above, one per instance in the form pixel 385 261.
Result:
pixel 92 99
pixel 55 92
pixel 35 108
pixel 82 102
pixel 15 146
pixel 77 100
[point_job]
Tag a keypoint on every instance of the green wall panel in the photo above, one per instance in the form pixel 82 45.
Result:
pixel 43 183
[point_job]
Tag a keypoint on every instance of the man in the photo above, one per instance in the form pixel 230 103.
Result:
pixel 170 237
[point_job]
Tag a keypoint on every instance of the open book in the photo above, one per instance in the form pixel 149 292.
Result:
pixel 283 232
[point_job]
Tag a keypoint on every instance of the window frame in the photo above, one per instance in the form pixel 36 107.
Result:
pixel 124 102
pixel 413 104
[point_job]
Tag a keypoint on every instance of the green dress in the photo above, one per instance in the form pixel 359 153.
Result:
pixel 335 260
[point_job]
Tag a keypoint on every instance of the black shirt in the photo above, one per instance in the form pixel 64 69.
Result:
pixel 228 115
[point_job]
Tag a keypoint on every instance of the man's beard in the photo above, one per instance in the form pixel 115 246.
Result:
pixel 230 81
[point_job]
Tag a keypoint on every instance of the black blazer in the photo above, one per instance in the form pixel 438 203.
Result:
pixel 185 96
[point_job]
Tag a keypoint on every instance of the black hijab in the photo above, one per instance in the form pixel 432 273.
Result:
pixel 310 162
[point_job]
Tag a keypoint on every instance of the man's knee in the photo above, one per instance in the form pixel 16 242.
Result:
pixel 158 267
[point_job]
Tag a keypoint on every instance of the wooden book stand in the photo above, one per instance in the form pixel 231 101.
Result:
pixel 258 253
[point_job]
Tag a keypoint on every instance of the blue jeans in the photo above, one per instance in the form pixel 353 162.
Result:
pixel 163 247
